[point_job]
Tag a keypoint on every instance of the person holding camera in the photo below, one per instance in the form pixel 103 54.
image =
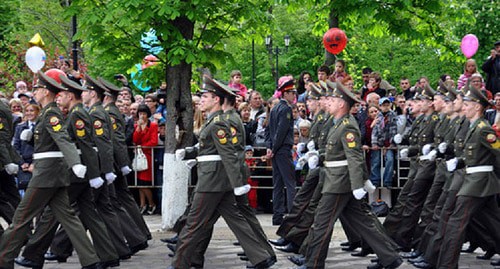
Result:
pixel 492 68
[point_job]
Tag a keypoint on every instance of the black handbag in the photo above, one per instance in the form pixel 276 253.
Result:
pixel 380 208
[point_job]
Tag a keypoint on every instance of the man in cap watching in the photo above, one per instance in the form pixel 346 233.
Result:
pixel 280 143
pixel 492 68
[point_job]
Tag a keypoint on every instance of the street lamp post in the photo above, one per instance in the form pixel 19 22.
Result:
pixel 276 51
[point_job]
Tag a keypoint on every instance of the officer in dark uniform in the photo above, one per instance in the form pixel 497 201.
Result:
pixel 280 143
pixel 477 195
pixel 238 139
pixel 343 187
pixel 53 156
pixel 9 195
pixel 122 162
pixel 214 193
pixel 303 196
pixel 79 126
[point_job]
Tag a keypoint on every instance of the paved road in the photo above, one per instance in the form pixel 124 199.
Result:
pixel 222 254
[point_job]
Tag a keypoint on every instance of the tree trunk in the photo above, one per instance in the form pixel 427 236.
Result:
pixel 179 103
pixel 333 22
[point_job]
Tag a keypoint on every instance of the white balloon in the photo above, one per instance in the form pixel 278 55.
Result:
pixel 35 58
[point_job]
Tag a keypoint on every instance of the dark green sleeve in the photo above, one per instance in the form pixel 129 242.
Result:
pixel 61 137
pixel 103 141
pixel 81 126
pixel 221 136
pixel 351 143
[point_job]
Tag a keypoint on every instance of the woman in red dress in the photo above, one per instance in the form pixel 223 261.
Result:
pixel 146 136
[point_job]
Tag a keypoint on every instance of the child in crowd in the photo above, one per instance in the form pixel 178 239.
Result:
pixel 339 75
pixel 251 163
pixel 469 69
pixel 235 83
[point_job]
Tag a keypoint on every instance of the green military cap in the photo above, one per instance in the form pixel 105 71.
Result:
pixel 426 94
pixel 323 88
pixel 70 85
pixel 329 86
pixel 109 87
pixel 341 92
pixel 449 93
pixel 314 93
pixel 475 95
pixel 287 86
pixel 219 88
pixel 48 83
pixel 94 85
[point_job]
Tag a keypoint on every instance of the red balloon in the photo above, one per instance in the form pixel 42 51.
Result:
pixel 54 73
pixel 334 40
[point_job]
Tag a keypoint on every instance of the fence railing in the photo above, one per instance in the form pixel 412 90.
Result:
pixel 261 171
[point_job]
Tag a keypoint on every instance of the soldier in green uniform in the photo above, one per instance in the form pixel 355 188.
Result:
pixel 9 198
pixel 79 126
pixel 238 139
pixel 53 156
pixel 122 162
pixel 343 187
pixel 214 193
pixel 477 195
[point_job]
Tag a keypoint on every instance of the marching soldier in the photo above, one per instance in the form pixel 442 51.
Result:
pixel 477 195
pixel 122 162
pixel 343 188
pixel 214 193
pixel 79 126
pixel 54 153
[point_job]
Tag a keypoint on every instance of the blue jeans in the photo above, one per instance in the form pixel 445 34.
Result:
pixel 375 162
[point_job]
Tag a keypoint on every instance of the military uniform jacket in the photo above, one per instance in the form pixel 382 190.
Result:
pixel 79 126
pixel 215 139
pixel 412 137
pixel 50 135
pixel 281 127
pixel 238 140
pixel 442 128
pixel 424 135
pixel 482 148
pixel 452 136
pixel 316 127
pixel 323 134
pixel 119 140
pixel 103 137
pixel 344 143
pixel 7 153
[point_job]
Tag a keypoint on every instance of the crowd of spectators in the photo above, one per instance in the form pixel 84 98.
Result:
pixel 384 112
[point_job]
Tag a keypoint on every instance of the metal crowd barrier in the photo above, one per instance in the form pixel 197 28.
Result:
pixel 261 172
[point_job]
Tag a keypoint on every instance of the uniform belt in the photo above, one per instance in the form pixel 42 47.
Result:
pixel 335 163
pixel 48 154
pixel 208 158
pixel 478 169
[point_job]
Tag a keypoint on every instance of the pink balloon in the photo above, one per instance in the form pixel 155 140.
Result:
pixel 469 45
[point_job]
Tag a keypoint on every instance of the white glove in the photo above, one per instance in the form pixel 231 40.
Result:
pixel 11 168
pixel 313 161
pixel 311 146
pixel 180 154
pixel 403 154
pixel 79 170
pixel 125 170
pixel 442 147
pixel 309 154
pixel 26 135
pixel 190 163
pixel 302 161
pixel 359 193
pixel 451 164
pixel 301 147
pixel 238 191
pixel 398 138
pixel 96 183
pixel 369 187
pixel 426 149
pixel 110 177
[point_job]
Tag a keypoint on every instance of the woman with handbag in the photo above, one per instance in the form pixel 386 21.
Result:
pixel 145 136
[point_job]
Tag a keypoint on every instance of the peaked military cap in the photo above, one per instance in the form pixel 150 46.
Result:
pixel 477 96
pixel 70 85
pixel 94 84
pixel 287 86
pixel 329 86
pixel 109 87
pixel 427 93
pixel 323 87
pixel 219 88
pixel 48 83
pixel 341 92
pixel 448 91
pixel 314 93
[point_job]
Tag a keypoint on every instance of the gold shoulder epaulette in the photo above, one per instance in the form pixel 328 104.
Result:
pixel 106 108
pixel 481 124
pixel 345 121
pixel 435 117
pixel 217 118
